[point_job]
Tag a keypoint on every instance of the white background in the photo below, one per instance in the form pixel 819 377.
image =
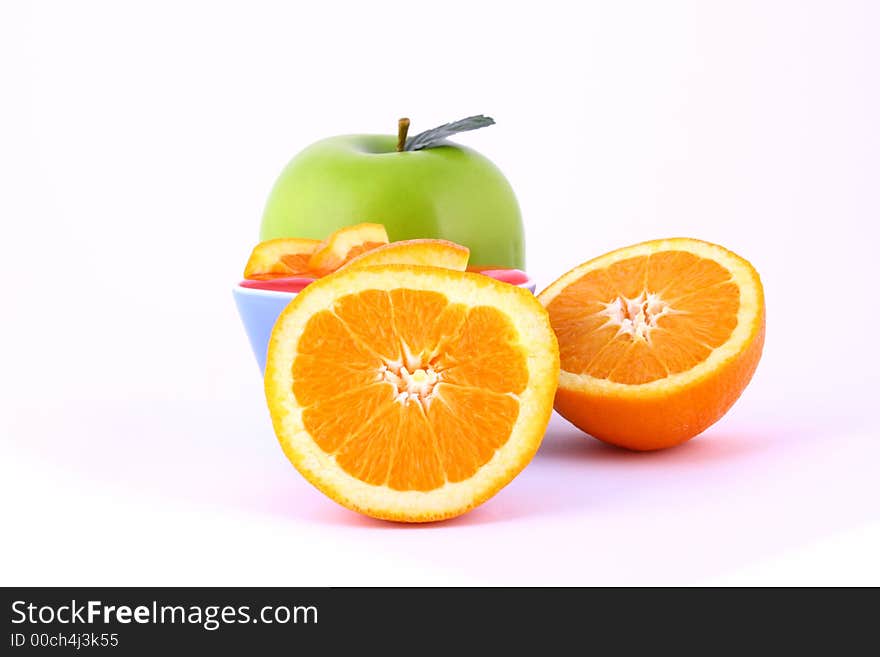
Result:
pixel 138 142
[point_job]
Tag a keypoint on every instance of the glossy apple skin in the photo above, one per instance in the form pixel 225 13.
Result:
pixel 449 192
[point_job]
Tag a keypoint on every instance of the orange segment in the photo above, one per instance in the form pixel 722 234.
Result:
pixel 428 252
pixel 414 315
pixel 330 419
pixel 326 336
pixel 416 464
pixel 325 375
pixel 656 340
pixel 627 277
pixel 638 364
pixel 367 315
pixel 400 390
pixel 485 331
pixel 369 453
pixel 333 357
pixel 471 424
pixel 345 244
pixel 280 257
pixel 484 352
pixel 507 373
pixel 680 352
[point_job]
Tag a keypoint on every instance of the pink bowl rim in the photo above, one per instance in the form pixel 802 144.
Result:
pixel 279 294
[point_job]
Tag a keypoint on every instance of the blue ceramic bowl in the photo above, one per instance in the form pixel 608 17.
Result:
pixel 260 308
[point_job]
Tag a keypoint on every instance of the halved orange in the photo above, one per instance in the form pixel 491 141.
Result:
pixel 411 393
pixel 428 252
pixel 282 257
pixel 657 340
pixel 345 244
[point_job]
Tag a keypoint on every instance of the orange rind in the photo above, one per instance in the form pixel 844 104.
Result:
pixel 345 244
pixel 426 252
pixel 411 393
pixel 656 340
pixel 282 257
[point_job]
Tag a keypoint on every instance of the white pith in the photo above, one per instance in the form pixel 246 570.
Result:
pixel 412 387
pixel 636 317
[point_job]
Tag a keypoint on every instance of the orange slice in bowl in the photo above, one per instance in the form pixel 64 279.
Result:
pixel 657 340
pixel 282 257
pixel 427 252
pixel 345 244
pixel 411 393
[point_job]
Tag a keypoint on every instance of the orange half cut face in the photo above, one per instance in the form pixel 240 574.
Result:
pixel 656 340
pixel 411 393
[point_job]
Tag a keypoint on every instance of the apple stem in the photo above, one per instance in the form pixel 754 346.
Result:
pixel 402 129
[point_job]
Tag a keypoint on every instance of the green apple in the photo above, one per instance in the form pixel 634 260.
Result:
pixel 446 191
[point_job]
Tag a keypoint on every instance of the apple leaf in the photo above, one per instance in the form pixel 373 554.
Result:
pixel 434 136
